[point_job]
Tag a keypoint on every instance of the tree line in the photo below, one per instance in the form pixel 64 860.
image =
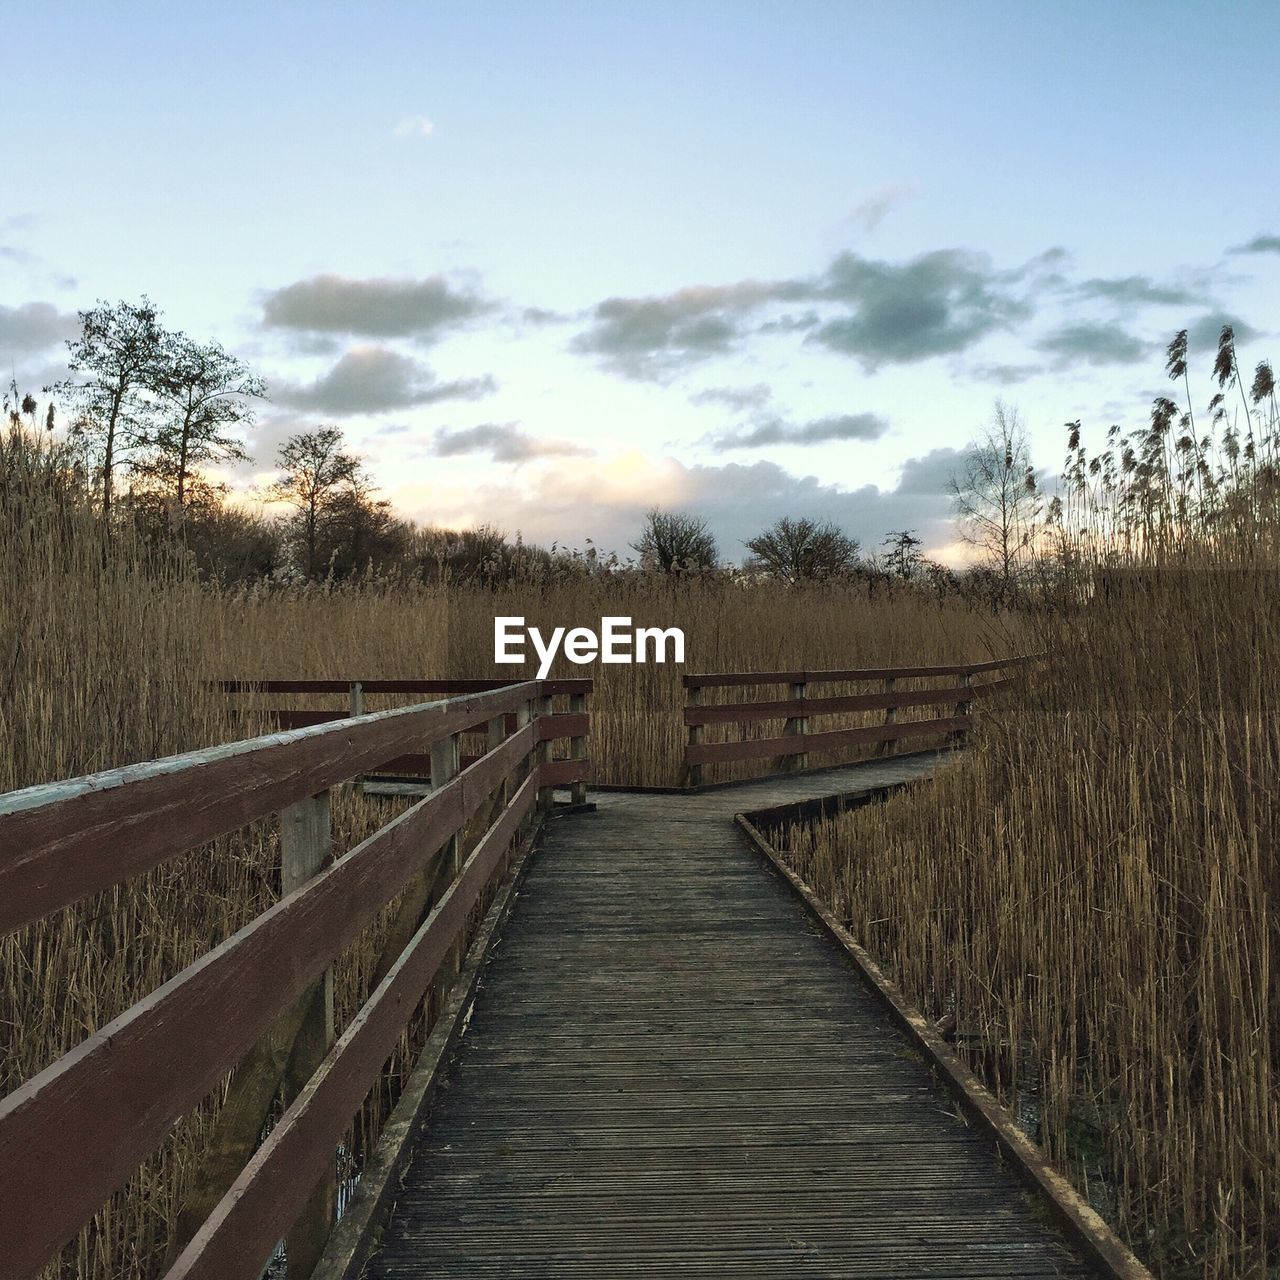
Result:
pixel 149 410
pixel 792 549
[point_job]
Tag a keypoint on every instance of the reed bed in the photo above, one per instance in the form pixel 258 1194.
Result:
pixel 108 651
pixel 1092 894
pixel 637 733
pixel 105 660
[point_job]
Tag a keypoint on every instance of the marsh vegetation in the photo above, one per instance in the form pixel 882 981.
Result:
pixel 1091 891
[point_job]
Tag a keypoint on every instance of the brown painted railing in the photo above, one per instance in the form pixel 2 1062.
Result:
pixel 791 749
pixel 72 1135
pixel 412 764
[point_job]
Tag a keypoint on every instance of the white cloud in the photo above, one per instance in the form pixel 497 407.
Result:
pixel 371 379
pixel 34 326
pixel 503 442
pixel 605 499
pixel 870 211
pixel 414 127
pixel 376 307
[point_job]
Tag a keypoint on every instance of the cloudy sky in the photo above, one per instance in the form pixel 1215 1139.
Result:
pixel 551 263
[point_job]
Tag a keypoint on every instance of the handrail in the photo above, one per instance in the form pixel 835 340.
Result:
pixel 804 707
pixel 300 1146
pixel 409 766
pixel 98 1111
pixel 62 841
pixel 550 687
pixel 791 749
pixel 724 679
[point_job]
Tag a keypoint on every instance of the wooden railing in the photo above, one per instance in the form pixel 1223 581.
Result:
pixel 354 692
pixel 799 708
pixel 72 1135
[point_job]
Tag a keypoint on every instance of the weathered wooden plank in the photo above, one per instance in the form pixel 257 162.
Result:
pixel 62 841
pixel 100 1109
pixel 578 746
pixel 367 686
pixel 692 771
pixel 570 686
pixel 306 847
pixel 561 773
pixel 563 724
pixel 744 712
pixel 733 679
pixel 728 679
pixel 831 740
pixel 416 763
pixel 669 1072
pixel 380 1176
pixel 550 728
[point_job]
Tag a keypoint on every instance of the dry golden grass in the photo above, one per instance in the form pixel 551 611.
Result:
pixel 637 736
pixel 106 651
pixel 1093 892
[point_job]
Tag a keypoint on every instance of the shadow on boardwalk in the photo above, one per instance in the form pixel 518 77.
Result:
pixel 670 1070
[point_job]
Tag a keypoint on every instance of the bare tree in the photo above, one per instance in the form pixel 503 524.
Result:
pixel 362 532
pixel 314 472
pixel 118 356
pixel 995 494
pixel 206 391
pixel 902 554
pixel 673 541
pixel 803 550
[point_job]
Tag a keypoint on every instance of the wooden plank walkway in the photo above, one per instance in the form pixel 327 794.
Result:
pixel 669 1070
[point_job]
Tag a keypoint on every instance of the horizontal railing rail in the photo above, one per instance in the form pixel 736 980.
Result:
pixel 742 712
pixel 727 678
pixel 550 687
pixel 409 765
pixel 792 747
pixel 74 1133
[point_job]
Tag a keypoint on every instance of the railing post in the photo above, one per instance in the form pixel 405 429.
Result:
pixel 306 847
pixel 444 768
pixel 524 716
pixel 355 695
pixel 578 749
pixel 796 725
pixel 495 736
pixel 887 746
pixel 964 705
pixel 542 753
pixel 438 872
pixel 693 772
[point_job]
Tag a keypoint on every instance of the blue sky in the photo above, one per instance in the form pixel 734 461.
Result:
pixel 549 264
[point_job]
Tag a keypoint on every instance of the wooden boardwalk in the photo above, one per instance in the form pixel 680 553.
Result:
pixel 670 1070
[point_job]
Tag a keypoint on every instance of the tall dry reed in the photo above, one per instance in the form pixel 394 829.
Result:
pixel 637 733
pixel 1093 891
pixel 107 650
pixel 105 659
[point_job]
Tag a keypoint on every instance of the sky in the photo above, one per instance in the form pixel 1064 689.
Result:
pixel 551 264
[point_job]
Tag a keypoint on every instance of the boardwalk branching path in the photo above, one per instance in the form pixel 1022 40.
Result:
pixel 669 1070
